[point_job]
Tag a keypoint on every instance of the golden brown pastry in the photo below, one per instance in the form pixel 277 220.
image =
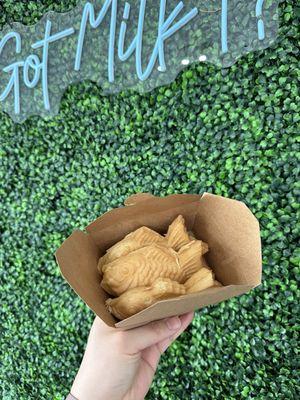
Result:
pixel 137 299
pixel 201 280
pixel 191 254
pixel 142 267
pixel 146 267
pixel 217 283
pixel 177 235
pixel 133 241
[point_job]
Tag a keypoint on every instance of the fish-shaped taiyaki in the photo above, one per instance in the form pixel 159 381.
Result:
pixel 177 235
pixel 137 299
pixel 201 280
pixel 191 254
pixel 142 267
pixel 133 241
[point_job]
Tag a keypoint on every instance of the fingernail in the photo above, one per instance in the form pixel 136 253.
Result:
pixel 174 323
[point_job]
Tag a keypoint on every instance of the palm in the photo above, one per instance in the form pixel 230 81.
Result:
pixel 146 367
pixel 146 363
pixel 132 356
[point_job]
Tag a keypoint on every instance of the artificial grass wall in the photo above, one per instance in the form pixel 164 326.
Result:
pixel 230 132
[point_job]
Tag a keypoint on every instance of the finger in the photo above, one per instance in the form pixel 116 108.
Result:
pixel 186 319
pixel 140 338
pixel 163 346
pixel 152 354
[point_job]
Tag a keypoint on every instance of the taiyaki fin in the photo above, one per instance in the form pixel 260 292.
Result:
pixel 197 276
pixel 193 237
pixel 133 241
pixel 199 281
pixel 190 256
pixel 137 299
pixel 177 235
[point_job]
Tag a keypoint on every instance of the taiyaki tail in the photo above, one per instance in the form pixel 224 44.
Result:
pixel 201 280
pixel 190 257
pixel 177 235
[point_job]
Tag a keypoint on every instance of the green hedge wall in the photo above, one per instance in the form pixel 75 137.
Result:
pixel 230 132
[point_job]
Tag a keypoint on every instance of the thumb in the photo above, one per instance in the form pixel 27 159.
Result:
pixel 140 338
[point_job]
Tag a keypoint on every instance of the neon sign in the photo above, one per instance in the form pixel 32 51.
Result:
pixel 124 44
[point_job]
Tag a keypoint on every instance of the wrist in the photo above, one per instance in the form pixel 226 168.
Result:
pixel 89 386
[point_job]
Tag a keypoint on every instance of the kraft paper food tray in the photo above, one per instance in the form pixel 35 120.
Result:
pixel 228 226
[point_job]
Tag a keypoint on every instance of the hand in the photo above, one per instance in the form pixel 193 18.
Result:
pixel 120 365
